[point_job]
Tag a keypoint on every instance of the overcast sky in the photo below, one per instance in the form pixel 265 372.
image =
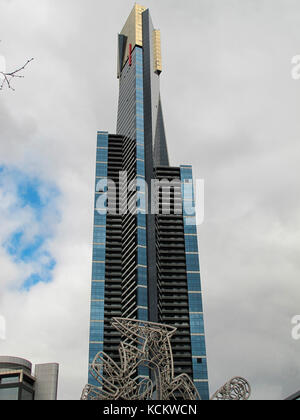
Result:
pixel 231 110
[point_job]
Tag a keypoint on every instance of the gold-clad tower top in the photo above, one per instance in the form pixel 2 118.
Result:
pixel 133 27
pixel 132 35
pixel 157 51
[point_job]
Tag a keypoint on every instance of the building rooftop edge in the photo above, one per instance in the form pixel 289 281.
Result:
pixel 14 360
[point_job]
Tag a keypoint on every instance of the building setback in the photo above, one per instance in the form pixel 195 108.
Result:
pixel 145 263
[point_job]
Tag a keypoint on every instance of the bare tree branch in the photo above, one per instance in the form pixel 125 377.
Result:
pixel 7 77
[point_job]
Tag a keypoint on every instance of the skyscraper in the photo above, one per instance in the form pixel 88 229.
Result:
pixel 145 251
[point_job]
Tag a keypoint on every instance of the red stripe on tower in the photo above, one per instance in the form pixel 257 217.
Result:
pixel 130 54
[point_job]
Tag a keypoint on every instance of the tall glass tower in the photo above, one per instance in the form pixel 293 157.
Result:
pixel 145 251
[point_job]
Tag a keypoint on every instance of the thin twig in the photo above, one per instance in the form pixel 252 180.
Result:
pixel 8 76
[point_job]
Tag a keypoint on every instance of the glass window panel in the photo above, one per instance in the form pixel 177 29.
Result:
pixel 102 155
pixel 26 395
pixel 99 235
pixel 187 190
pixel 97 311
pixel 189 228
pixel 192 262
pixel 140 124
pixel 195 302
pixel 140 138
pixel 97 290
pixel 186 172
pixel 95 348
pixel 99 219
pixel 142 256
pixel 203 390
pixel 142 237
pixel 200 369
pixel 198 345
pixel 191 244
pixel 140 168
pixel 142 298
pixel 9 379
pixel 190 223
pixel 99 253
pixel 142 276
pixel 139 95
pixel 142 314
pixel 9 394
pixel 141 220
pixel 102 140
pixel 101 169
pixel 140 152
pixel 96 331
pixel 197 323
pixel 98 271
pixel 194 282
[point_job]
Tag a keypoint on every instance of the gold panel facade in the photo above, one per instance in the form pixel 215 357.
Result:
pixel 157 51
pixel 133 29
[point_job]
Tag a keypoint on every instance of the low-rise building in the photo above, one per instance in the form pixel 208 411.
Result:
pixel 19 381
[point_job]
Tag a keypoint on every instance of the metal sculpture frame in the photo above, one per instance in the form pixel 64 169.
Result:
pixel 148 344
pixel 236 389
pixel 145 344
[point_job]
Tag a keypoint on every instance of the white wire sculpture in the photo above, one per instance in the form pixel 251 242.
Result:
pixel 235 389
pixel 145 344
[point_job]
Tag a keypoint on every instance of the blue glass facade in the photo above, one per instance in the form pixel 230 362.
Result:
pixel 142 293
pixel 200 374
pixel 96 338
pixel 131 122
